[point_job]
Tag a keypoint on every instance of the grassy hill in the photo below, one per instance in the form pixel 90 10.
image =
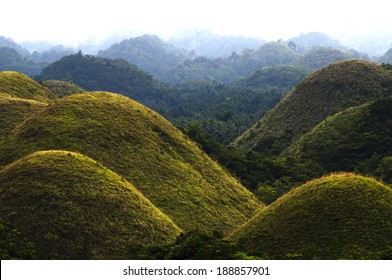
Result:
pixel 18 85
pixel 349 140
pixel 14 111
pixel 72 207
pixel 325 92
pixel 144 148
pixel 338 216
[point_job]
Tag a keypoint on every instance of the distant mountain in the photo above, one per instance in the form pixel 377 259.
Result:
pixel 144 148
pixel 68 206
pixel 149 53
pixel 342 216
pixel 9 43
pixel 305 42
pixel 320 57
pixel 206 43
pixel 326 92
pixel 387 57
pixel 11 60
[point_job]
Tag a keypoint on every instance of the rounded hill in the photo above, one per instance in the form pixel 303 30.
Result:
pixel 71 207
pixel 147 150
pixel 341 216
pixel 14 111
pixel 349 139
pixel 18 85
pixel 324 93
pixel 61 88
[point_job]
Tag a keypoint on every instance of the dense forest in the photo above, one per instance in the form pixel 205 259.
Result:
pixel 153 149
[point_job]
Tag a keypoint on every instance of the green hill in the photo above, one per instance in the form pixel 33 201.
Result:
pixel 147 150
pixel 62 88
pixel 325 92
pixel 338 216
pixel 14 111
pixel 72 207
pixel 348 140
pixel 18 85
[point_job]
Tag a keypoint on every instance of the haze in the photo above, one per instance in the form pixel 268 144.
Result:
pixel 72 22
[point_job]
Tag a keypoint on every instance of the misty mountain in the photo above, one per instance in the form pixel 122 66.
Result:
pixel 9 43
pixel 11 60
pixel 387 57
pixel 149 53
pixel 206 43
pixel 311 40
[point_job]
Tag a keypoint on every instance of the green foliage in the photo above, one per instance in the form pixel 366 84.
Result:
pixel 342 216
pixel 194 245
pixel 10 60
pixel 62 89
pixel 145 149
pixel 72 207
pixel 12 245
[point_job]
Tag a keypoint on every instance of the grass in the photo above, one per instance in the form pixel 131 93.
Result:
pixel 341 216
pixel 140 145
pixel 72 207
pixel 14 111
pixel 18 85
pixel 324 93
pixel 61 88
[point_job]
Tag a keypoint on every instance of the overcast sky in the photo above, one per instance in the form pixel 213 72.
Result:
pixel 73 21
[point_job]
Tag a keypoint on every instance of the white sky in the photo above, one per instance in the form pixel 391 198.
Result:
pixel 73 21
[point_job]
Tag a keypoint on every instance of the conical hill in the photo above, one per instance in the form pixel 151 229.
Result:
pixel 71 207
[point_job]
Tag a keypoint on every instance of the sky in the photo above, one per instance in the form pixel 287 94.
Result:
pixel 74 21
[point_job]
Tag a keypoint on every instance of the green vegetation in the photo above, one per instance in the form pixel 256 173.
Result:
pixel 18 85
pixel 342 216
pixel 14 111
pixel 326 92
pixel 144 148
pixel 61 88
pixel 71 207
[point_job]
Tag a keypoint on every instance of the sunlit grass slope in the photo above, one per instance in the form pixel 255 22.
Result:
pixel 14 111
pixel 18 85
pixel 144 148
pixel 72 207
pixel 337 216
pixel 326 92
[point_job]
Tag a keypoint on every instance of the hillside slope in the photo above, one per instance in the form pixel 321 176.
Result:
pixel 14 111
pixel 347 140
pixel 147 150
pixel 325 92
pixel 18 85
pixel 335 217
pixel 71 207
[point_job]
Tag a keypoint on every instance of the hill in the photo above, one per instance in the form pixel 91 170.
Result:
pixel 387 57
pixel 149 53
pixel 312 40
pixel 14 111
pixel 72 207
pixel 325 92
pixel 61 88
pixel 140 145
pixel 349 140
pixel 18 85
pixel 342 216
pixel 96 73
